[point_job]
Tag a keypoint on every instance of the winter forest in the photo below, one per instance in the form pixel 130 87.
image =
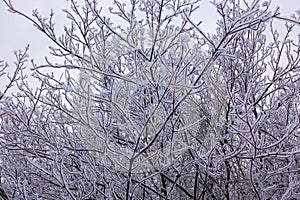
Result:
pixel 145 104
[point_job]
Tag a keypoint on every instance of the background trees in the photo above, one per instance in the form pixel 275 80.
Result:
pixel 159 109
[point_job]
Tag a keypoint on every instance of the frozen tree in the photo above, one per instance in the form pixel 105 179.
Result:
pixel 151 106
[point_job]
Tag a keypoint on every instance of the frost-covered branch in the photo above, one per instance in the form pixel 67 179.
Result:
pixel 146 104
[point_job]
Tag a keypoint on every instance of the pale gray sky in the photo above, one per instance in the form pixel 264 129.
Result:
pixel 16 32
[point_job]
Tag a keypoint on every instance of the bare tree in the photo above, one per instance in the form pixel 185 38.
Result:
pixel 153 107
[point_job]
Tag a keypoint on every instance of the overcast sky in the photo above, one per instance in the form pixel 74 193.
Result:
pixel 16 32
